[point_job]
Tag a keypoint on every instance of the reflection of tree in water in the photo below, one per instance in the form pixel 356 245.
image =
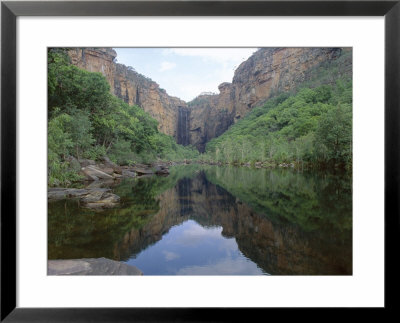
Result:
pixel 311 201
pixel 287 223
pixel 309 215
pixel 75 232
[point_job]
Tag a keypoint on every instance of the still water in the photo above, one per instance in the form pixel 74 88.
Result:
pixel 210 220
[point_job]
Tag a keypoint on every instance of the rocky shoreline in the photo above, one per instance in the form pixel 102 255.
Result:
pixel 107 170
pixel 99 177
pixel 248 164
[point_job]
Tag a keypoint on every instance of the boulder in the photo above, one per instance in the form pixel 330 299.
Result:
pixel 54 194
pixel 73 163
pixel 127 173
pixel 86 162
pixel 106 201
pixel 94 198
pixel 93 173
pixel 90 266
pixel 110 164
pixel 101 183
pixel 94 195
pixel 107 160
pixel 142 171
pixel 107 170
pixel 117 170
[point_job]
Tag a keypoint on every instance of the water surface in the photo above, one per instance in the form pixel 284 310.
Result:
pixel 210 220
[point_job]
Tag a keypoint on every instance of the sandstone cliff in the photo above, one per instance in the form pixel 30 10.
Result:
pixel 131 86
pixel 267 72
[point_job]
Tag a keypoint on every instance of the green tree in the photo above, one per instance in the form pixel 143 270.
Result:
pixel 334 135
pixel 80 128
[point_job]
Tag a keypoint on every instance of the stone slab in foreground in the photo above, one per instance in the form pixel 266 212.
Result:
pixel 90 266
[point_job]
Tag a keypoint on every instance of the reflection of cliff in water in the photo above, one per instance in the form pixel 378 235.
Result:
pixel 278 248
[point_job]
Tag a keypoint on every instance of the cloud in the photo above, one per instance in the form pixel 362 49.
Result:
pixel 169 255
pixel 195 234
pixel 227 266
pixel 165 66
pixel 220 55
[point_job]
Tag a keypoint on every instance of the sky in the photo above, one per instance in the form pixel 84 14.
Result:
pixel 185 72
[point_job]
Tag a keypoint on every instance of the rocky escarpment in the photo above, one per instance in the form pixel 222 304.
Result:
pixel 131 86
pixel 267 72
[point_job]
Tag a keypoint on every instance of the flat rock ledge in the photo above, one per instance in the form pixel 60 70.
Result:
pixel 93 198
pixel 90 266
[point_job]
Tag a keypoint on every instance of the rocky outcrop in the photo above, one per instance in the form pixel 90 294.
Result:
pixel 92 171
pixel 267 72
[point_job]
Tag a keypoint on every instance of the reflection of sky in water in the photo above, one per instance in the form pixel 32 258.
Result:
pixel 190 249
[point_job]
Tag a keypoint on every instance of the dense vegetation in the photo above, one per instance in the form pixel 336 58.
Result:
pixel 312 127
pixel 87 121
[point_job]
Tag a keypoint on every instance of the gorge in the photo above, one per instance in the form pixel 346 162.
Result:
pixel 254 180
pixel 269 71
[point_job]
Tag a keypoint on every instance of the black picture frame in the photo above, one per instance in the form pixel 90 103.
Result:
pixel 10 10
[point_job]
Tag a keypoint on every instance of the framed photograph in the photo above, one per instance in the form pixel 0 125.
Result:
pixel 191 158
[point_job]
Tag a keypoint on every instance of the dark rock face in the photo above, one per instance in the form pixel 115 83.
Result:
pixel 183 126
pixel 267 72
pixel 208 119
